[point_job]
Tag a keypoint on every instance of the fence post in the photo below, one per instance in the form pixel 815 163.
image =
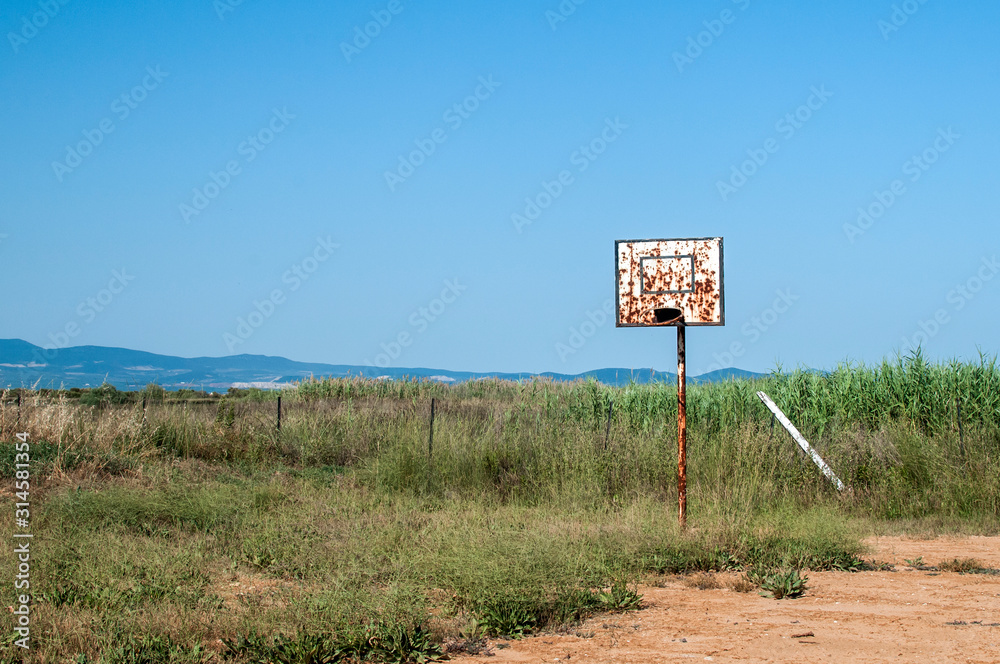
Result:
pixel 607 433
pixel 279 413
pixel 19 410
pixel 961 436
pixel 430 439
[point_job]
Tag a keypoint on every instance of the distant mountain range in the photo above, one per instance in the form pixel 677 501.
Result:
pixel 25 365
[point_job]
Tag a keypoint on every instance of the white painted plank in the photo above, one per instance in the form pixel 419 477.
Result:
pixel 800 439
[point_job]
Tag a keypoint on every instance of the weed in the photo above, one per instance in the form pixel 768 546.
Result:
pixel 126 648
pixel 393 644
pixel 226 416
pixel 396 644
pixel 784 585
pixel 852 565
pixel 303 649
pixel 620 597
pixel 507 616
pixel 962 566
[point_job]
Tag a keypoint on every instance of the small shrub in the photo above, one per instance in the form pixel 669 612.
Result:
pixel 396 644
pixel 226 415
pixel 784 585
pixel 619 597
pixel 504 615
pixel 154 392
pixel 851 564
pixel 103 396
pixel 962 566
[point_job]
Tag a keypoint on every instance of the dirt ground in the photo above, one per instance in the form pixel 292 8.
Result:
pixel 909 615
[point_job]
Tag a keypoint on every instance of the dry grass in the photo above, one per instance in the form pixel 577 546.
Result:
pixel 962 566
pixel 197 526
pixel 702 581
pixel 742 584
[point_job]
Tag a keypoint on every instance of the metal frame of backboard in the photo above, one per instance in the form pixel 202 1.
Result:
pixel 704 303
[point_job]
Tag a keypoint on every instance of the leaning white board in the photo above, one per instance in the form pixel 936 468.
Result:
pixel 800 439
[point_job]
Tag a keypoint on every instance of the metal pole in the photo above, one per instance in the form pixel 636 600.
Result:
pixel 681 430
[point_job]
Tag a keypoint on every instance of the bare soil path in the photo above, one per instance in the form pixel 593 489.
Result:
pixel 909 615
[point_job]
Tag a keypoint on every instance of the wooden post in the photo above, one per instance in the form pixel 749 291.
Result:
pixel 681 429
pixel 279 413
pixel 607 433
pixel 18 409
pixel 430 439
pixel 961 436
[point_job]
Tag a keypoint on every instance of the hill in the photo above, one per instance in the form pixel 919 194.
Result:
pixel 23 364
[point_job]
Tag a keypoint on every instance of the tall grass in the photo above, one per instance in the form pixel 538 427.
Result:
pixel 891 431
pixel 190 521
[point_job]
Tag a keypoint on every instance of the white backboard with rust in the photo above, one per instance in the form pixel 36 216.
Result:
pixel 684 274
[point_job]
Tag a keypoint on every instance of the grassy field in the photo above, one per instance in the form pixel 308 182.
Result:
pixel 192 530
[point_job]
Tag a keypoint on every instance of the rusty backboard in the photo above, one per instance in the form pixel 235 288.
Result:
pixel 683 274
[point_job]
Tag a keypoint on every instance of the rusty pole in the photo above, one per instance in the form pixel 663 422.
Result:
pixel 681 429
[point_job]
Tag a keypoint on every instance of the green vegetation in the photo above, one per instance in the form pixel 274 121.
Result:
pixel 784 585
pixel 381 643
pixel 192 530
pixel 965 566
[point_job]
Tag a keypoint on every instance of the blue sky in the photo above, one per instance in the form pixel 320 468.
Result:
pixel 275 181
